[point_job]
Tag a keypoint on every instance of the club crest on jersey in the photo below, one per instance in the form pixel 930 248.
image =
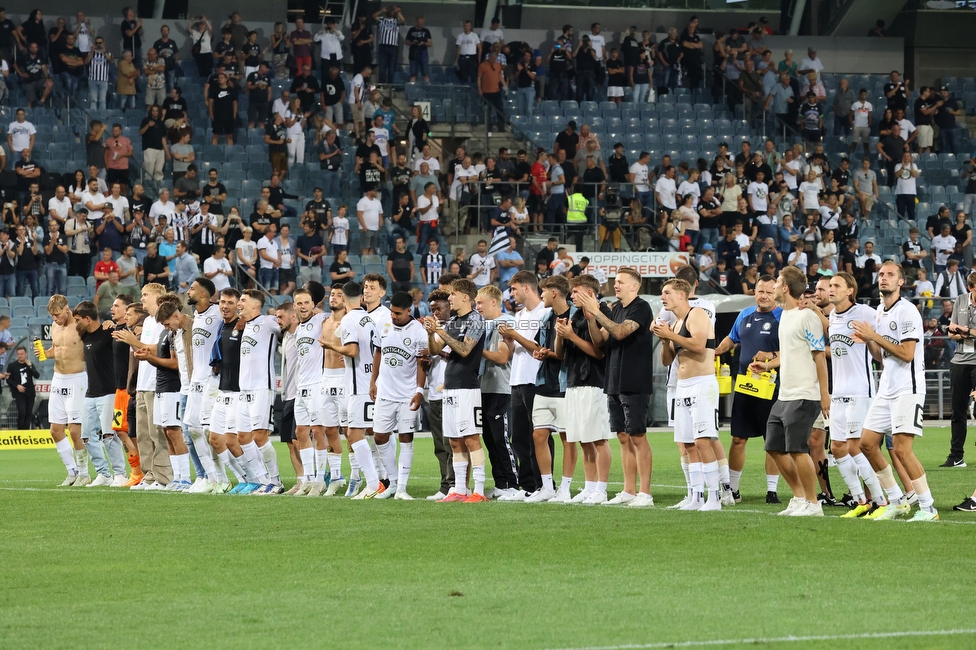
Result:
pixel 256 329
pixel 893 326
pixel 209 320
pixel 766 326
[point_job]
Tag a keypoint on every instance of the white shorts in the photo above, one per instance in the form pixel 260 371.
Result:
pixel 549 413
pixel 359 412
pixel 67 399
pixel 462 412
pixel 223 420
pixel 902 414
pixel 166 410
pixel 696 409
pixel 925 135
pixel 334 405
pixel 200 404
pixel 587 418
pixel 615 91
pixel 393 417
pixel 847 417
pixel 254 409
pixel 308 405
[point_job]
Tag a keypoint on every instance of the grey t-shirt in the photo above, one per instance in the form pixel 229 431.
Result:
pixel 495 377
pixel 183 150
pixel 964 314
pixel 418 182
pixel 842 103
pixel 125 267
pixel 864 180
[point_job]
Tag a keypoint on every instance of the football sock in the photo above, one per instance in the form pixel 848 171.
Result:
pixel 848 472
pixel 478 471
pixel 461 473
pixel 233 464
pixel 335 468
pixel 256 471
pixel 566 483
pixel 270 457
pixel 406 462
pixel 870 478
pixel 546 480
pixel 925 500
pixel 589 486
pixel 308 463
pixel 81 459
pixel 321 457
pixel 734 477
pixel 67 455
pixel 377 459
pixel 697 477
pixel 365 457
pixel 710 471
pixel 601 486
pixel 387 452
pixel 176 468
pixel 354 464
pixel 221 469
pixel 202 446
pixel 685 471
pixel 772 482
pixel 890 485
pixel 183 460
pixel 724 476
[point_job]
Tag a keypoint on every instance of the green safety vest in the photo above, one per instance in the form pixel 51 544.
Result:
pixel 577 209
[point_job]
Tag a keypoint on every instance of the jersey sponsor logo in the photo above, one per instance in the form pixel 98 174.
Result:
pixel 884 353
pixel 304 345
pixel 249 341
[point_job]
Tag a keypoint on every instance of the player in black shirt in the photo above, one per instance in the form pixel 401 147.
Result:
pixel 464 334
pixel 626 333
pixel 226 361
pixel 122 404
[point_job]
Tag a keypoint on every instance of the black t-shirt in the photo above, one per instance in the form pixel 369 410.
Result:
pixel 401 265
pixel 130 42
pixel 153 266
pixel 70 52
pixel 23 182
pixel 27 261
pixel 276 132
pixel 921 119
pixel 308 246
pixel 400 177
pixel 630 49
pixel 333 89
pixel 222 48
pixel 56 48
pixel 321 210
pixel 363 151
pixel 7 28
pixel 894 146
pixel 142 203
pixel 692 56
pixel 522 170
pixel 618 168
pixel 420 36
pixel 585 60
pixel 581 368
pixel 336 267
pixel 174 108
pixel 214 190
pixel 550 369
pixel 915 248
pixel 569 142
pixel 99 363
pixel 252 54
pixel 591 183
pixel 223 101
pixel 463 372
pixel 615 72
pixel 524 80
pixel 899 99
pixel 56 256
pixel 306 89
pixel 259 95
pixel 935 222
pixel 33 66
pixel 120 359
pixel 843 177
pixel 167 50
pixel 370 176
pixel 848 257
pixel 709 222
pixel 558 62
pixel 153 137
pixel 628 362
pixel 228 357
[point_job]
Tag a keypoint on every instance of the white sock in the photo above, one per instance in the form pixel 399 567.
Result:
pixel 697 476
pixel 601 486
pixel 547 482
pixel 925 500
pixel 377 459
pixel 566 483
pixel 588 487
pixel 67 456
pixel 710 470
pixel 406 462
pixel 270 457
pixel 81 460
pixel 724 474
pixel 221 467
pixel 321 457
pixel 460 476
pixel 772 482
pixel 848 472
pixel 335 467
pixel 685 471
pixel 365 458
pixel 236 465
pixel 387 453
pixel 202 445
pixel 478 474
pixel 354 464
pixel 734 477
pixel 870 478
pixel 256 471
pixel 176 468
pixel 183 460
pixel 308 463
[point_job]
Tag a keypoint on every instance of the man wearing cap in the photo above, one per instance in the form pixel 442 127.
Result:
pixel 945 118
pixel 810 64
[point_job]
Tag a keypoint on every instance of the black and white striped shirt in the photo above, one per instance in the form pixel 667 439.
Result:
pixel 98 67
pixel 207 236
pixel 389 31
pixel 434 266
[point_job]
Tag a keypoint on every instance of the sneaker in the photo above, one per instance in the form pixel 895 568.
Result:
pixel 912 499
pixel 621 499
pixel 859 510
pixel 807 509
pixel 249 487
pixel 454 497
pixel 541 496
pixel 477 498
pixel 141 485
pixel 387 493
pixel 269 489
pixel 953 462
pixel 155 486
pixel 967 505
pixel 134 479
pixel 925 515
pixel 355 484
pixel 237 488
pixel 69 480
pixel 711 505
pixel 296 488
pixel 642 500
pixel 847 501
pixel 728 499
pixel 894 511
pixel 120 480
pixel 370 494
pixel 221 488
pixel 314 489
pixel 875 511
pixel 199 486
pixel 596 498
pixel 306 487
pixel 334 487
pixel 495 493
pixel 401 495
pixel 180 486
pixel 100 481
pixel 793 505
pixel 692 503
pixel 825 499
pixel 83 480
pixel 582 496
pixel 436 497
pixel 772 497
pixel 680 504
pixel 516 495
pixel 736 496
pixel 562 496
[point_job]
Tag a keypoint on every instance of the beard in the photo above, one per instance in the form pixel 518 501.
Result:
pixel 191 301
pixel 886 292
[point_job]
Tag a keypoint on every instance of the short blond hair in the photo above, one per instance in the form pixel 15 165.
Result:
pixel 679 285
pixel 491 292
pixel 57 304
pixel 155 288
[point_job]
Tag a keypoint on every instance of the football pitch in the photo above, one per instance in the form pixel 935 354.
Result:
pixel 101 567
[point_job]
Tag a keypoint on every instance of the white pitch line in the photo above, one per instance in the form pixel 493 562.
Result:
pixel 782 639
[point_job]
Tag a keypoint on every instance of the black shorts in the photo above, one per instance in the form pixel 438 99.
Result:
pixel 537 203
pixel 628 412
pixel 286 275
pixel 224 126
pixel 790 423
pixel 120 176
pixel 287 430
pixel 750 415
pixel 258 112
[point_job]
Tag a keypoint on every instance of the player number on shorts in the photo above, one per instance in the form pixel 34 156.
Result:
pixel 477 417
pixel 368 412
pixel 918 416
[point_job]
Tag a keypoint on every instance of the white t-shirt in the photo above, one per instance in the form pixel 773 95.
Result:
pixel 811 64
pixel 482 264
pixel 943 247
pixel 461 173
pixel 640 177
pixel 861 112
pixel 801 260
pixel 905 185
pixel 340 231
pixel 800 334
pixel 467 44
pixel 147 372
pixel 371 209
pixel 829 219
pixel 20 133
pixel 791 178
pixel 432 164
pixel 358 89
pixel 119 206
pixel 271 249
pixel 850 361
pixel 427 207
pixel 95 199
pixel 599 43
pixel 907 128
pixel 206 330
pixel 810 193
pixel 528 324
pixel 297 128
pixel 492 36
pixel 382 139
pixel 61 207
pixel 667 190
pixel 158 208
pixel 246 251
pixel 220 281
pixel 902 322
pixel 759 193
pixel 686 188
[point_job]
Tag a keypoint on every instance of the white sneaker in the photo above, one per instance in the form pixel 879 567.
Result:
pixel 562 496
pixel 596 498
pixel 221 488
pixel 100 481
pixel 712 504
pixel 141 485
pixel 582 496
pixel 119 480
pixel 495 493
pixel 727 498
pixel 680 504
pixel 643 500
pixel 514 495
pixel 541 496
pixel 437 497
pixel 69 480
pixel 693 503
pixel 807 509
pixel 335 487
pixel 155 487
pixel 621 499
pixel 198 486
pixel 387 493
pixel 401 495
pixel 794 504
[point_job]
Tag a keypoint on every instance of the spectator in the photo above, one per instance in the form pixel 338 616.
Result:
pixel 896 91
pixel 245 257
pixel 21 133
pixel 914 254
pixel 482 266
pixel 905 174
pixel 155 71
pixel 33 76
pixel 468 54
pixel 169 52
pixel 559 60
pixel 419 40
pixel 310 249
pixel 286 272
pixel 27 249
pixel 587 64
pixel 907 129
pixel 330 46
pixel 8 265
pixel 81 237
pixel 843 101
pixel 359 92
pixel 946 114
pixel 433 265
pixel 340 230
pixel 201 37
pixel 666 64
pixel 295 119
pixel 892 147
pixel 333 96
pixel 810 64
pixel 491 85
pixel 269 254
pixel 811 119
pixel 388 20
pixel 964 238
pixel 108 291
pixel 20 376
pixel 129 271
pixel 276 137
pixel 117 151
pixel 55 245
pixel 950 282
pixel 369 211
pixel 155 151
pixel 258 96
pixel 400 266
pixel 222 106
pixel 878 29
pixel 72 64
pixel 340 270
pixel 217 269
pixel 154 266
pixel 125 83
pixel 362 41
pixel 98 60
pixel 942 246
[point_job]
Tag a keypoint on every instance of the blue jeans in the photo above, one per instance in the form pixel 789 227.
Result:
pixel 388 60
pixel 70 82
pixel 8 283
pixel 842 125
pixel 97 90
pixel 665 76
pixel 526 100
pixel 331 187
pixel 57 278
pixel 194 456
pixel 268 279
pixel 170 79
pixel 125 102
pixel 708 236
pixel 949 140
pixel 646 200
pixel 640 93
pixel 97 434
pixel 425 232
pixel 28 277
pixel 554 209
pixel 420 67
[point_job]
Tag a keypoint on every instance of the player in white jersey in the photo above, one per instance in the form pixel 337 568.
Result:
pixel 895 339
pixel 397 388
pixel 308 381
pixel 853 389
pixel 374 289
pixel 357 343
pixel 334 406
pixel 206 326
pixel 259 338
pixel 818 300
pixel 690 275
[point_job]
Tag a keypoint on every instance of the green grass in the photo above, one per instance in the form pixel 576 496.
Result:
pixel 86 568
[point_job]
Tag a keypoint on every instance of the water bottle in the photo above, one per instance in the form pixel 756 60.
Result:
pixel 39 349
